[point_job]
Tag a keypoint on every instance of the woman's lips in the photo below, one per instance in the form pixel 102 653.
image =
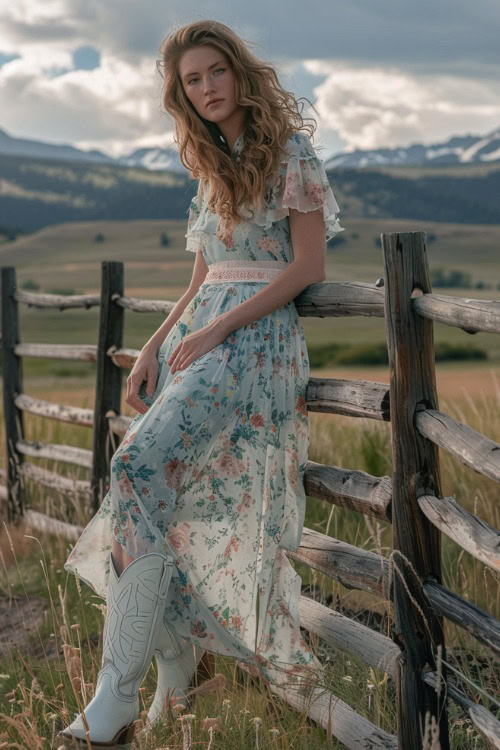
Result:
pixel 213 104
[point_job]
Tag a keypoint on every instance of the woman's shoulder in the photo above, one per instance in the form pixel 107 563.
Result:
pixel 299 146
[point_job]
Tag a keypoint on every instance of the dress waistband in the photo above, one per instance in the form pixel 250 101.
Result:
pixel 244 270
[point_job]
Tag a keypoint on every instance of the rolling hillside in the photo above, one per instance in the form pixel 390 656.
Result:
pixel 36 193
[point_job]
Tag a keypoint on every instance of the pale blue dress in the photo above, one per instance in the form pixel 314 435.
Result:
pixel 213 471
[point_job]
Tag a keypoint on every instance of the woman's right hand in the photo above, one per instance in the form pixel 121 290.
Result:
pixel 144 369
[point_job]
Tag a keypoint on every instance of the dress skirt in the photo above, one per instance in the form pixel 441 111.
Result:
pixel 213 474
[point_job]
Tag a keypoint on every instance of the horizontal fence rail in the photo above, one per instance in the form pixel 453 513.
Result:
pixel 418 512
pixel 465 614
pixel 471 447
pixel 467 530
pixel 472 315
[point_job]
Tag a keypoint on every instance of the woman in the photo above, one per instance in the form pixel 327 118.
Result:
pixel 206 489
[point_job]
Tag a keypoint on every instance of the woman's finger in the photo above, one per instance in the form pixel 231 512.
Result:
pixel 177 359
pixel 174 353
pixel 133 398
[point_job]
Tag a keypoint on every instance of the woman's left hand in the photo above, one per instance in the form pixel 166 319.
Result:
pixel 195 344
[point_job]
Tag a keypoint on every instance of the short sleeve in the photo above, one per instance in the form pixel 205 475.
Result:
pixel 193 242
pixel 302 184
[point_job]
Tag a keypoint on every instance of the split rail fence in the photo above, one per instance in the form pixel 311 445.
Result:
pixel 412 500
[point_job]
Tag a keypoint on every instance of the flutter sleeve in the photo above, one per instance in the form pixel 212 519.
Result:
pixel 302 183
pixel 193 239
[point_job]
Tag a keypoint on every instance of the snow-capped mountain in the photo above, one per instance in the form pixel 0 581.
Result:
pixel 164 159
pixel 467 149
pixel 154 158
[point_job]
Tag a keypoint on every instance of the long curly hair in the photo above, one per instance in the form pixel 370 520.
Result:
pixel 272 116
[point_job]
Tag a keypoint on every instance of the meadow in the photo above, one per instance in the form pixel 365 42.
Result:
pixel 51 626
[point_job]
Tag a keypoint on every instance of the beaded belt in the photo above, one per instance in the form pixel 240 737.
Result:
pixel 244 270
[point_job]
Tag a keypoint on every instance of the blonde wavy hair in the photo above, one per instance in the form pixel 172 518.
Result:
pixel 272 117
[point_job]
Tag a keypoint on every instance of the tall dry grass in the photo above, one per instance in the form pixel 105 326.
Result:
pixel 47 679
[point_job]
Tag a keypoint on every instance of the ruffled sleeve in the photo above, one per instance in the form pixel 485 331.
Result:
pixel 302 183
pixel 193 239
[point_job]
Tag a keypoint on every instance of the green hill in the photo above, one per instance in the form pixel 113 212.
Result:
pixel 35 193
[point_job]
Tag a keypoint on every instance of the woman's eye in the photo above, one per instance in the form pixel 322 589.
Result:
pixel 194 79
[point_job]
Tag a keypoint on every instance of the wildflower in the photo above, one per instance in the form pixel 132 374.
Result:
pixel 187 717
pixel 257 721
pixel 187 720
pixel 209 724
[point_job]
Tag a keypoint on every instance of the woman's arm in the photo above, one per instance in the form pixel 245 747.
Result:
pixel 200 270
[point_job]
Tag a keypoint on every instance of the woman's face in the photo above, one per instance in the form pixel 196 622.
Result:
pixel 206 75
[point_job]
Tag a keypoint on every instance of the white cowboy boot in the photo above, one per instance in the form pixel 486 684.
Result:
pixel 136 602
pixel 177 660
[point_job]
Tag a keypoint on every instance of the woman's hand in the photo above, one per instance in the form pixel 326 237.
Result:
pixel 145 368
pixel 197 343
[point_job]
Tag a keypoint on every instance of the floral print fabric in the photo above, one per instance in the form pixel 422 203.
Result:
pixel 213 471
pixel 301 183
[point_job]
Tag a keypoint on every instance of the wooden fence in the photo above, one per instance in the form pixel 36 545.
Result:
pixel 415 656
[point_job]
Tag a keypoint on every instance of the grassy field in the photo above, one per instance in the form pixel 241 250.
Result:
pixel 37 692
pixel 50 627
pixel 65 257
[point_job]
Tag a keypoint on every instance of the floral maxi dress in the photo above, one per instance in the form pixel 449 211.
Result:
pixel 213 471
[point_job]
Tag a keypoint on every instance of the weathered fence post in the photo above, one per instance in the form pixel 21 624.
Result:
pixel 416 542
pixel 12 385
pixel 108 376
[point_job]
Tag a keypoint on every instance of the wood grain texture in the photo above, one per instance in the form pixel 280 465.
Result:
pixel 465 614
pixel 352 637
pixel 487 725
pixel 79 352
pixel 12 376
pixel 416 542
pixel 67 453
pixel 355 568
pixel 61 301
pixel 63 413
pixel 469 446
pixel 339 299
pixel 352 398
pixel 350 488
pixel 65 485
pixel 472 315
pixel 108 378
pixel 337 718
pixel 472 533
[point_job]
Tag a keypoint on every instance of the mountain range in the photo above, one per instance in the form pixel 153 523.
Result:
pixel 44 184
pixel 466 149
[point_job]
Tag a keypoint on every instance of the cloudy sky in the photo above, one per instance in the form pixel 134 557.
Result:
pixel 381 73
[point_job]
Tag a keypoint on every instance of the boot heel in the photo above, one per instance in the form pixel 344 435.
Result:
pixel 126 737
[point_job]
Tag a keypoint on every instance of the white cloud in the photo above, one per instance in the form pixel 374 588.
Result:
pixel 108 107
pixel 394 73
pixel 379 107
